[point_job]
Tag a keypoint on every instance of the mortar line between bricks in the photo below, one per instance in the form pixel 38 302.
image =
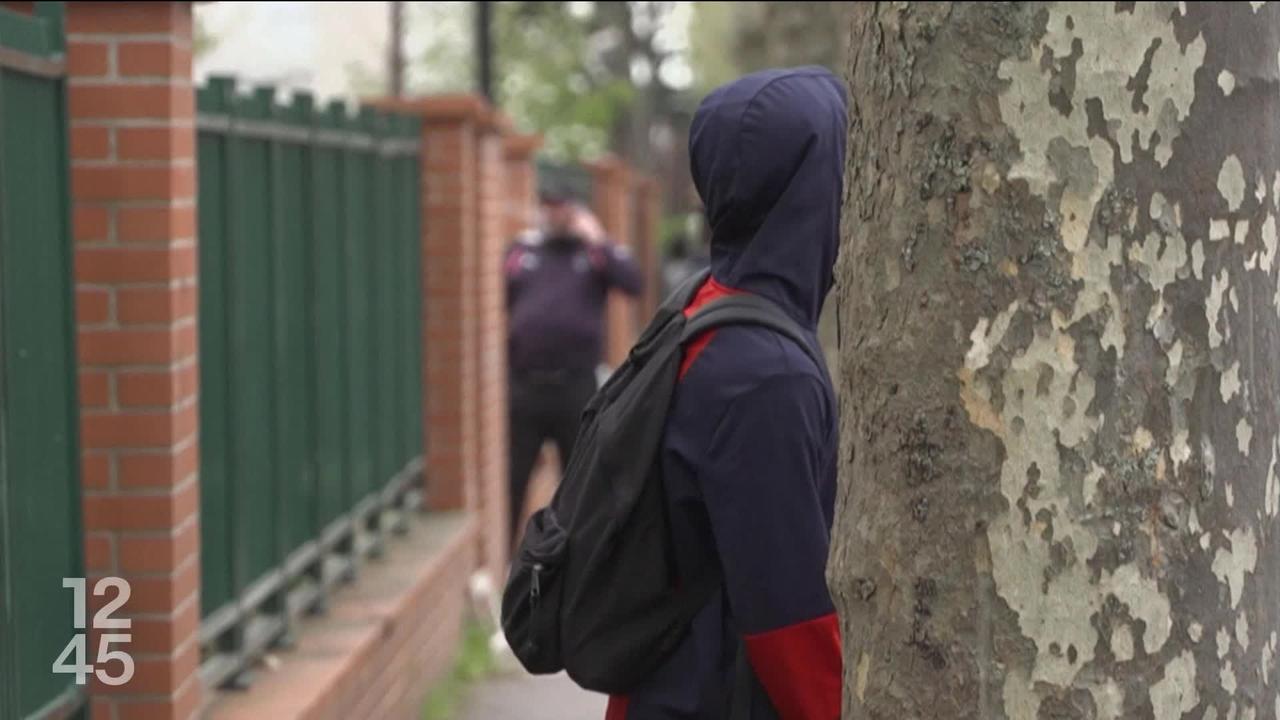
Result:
pixel 170 38
pixel 160 123
pixel 174 82
pixel 152 534
pixel 177 449
pixel 139 367
pixel 141 163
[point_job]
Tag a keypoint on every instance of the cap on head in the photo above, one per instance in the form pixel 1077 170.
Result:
pixel 554 191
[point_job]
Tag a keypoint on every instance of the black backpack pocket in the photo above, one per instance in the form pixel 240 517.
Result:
pixel 534 594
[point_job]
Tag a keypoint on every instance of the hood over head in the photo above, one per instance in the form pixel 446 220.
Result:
pixel 767 156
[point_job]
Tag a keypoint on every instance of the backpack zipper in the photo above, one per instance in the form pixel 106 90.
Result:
pixel 535 585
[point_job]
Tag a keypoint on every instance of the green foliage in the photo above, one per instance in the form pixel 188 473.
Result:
pixel 592 76
pixel 561 68
pixel 203 41
pixel 712 40
pixel 447 59
pixel 474 663
pixel 730 39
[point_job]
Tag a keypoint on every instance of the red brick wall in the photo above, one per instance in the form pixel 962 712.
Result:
pixel 610 183
pixel 521 181
pixel 467 223
pixel 645 204
pixel 133 188
pixel 384 643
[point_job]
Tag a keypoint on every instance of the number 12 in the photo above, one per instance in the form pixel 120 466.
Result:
pixel 102 620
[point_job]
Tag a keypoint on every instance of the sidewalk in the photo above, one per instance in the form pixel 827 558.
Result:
pixel 518 696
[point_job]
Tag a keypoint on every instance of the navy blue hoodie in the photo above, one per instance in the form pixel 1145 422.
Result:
pixel 749 454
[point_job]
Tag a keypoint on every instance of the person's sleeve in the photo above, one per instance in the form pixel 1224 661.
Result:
pixel 618 267
pixel 761 487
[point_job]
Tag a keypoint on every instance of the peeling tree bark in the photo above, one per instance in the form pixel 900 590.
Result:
pixel 1059 383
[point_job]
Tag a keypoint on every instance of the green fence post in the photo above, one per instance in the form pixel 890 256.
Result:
pixel 302 115
pixel 370 124
pixel 417 399
pixel 39 403
pixel 354 330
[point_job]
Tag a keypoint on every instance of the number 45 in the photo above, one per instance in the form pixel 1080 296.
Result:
pixel 102 620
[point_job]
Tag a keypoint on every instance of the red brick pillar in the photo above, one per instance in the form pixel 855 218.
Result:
pixel 647 209
pixel 610 180
pixel 133 190
pixel 491 343
pixel 521 180
pixel 464 234
pixel 451 129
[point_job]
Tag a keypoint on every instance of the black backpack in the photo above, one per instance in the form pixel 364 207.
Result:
pixel 593 588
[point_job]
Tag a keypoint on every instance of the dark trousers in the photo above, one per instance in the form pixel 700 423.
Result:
pixel 544 406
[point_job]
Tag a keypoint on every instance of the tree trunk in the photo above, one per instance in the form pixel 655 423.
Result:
pixel 1058 376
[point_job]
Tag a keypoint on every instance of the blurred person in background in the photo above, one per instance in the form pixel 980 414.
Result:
pixel 558 278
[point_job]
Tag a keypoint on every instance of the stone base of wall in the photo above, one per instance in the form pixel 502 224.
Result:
pixel 385 641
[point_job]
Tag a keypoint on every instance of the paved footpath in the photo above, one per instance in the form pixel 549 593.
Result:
pixel 518 696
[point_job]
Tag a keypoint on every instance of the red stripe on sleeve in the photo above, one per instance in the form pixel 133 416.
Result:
pixel 800 667
pixel 617 708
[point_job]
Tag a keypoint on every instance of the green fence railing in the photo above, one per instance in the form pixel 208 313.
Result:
pixel 310 355
pixel 40 540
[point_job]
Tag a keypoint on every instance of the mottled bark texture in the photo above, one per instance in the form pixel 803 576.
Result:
pixel 1059 365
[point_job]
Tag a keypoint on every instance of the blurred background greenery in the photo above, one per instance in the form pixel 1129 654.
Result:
pixel 592 77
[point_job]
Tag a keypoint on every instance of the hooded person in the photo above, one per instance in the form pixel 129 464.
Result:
pixel 750 446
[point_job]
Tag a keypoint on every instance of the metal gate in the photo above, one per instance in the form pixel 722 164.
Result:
pixel 40 540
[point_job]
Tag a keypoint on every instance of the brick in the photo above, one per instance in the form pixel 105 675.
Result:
pixel 159 676
pixel 88 59
pixel 152 635
pixel 155 224
pixel 158 553
pixel 95 388
pixel 95 470
pixel 143 389
pixel 137 429
pixel 153 59
pixel 161 594
pixel 134 264
pixel 139 512
pixel 93 306
pixel 136 347
pixel 126 102
pixel 101 708
pixel 133 182
pixel 162 143
pixel 90 142
pixel 122 18
pixel 184 705
pixel 137 470
pixel 90 222
pixel 98 555
pixel 155 305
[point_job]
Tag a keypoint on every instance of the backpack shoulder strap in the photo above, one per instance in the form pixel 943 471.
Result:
pixel 683 295
pixel 750 310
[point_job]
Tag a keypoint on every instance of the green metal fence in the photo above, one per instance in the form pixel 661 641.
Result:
pixel 39 468
pixel 310 355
